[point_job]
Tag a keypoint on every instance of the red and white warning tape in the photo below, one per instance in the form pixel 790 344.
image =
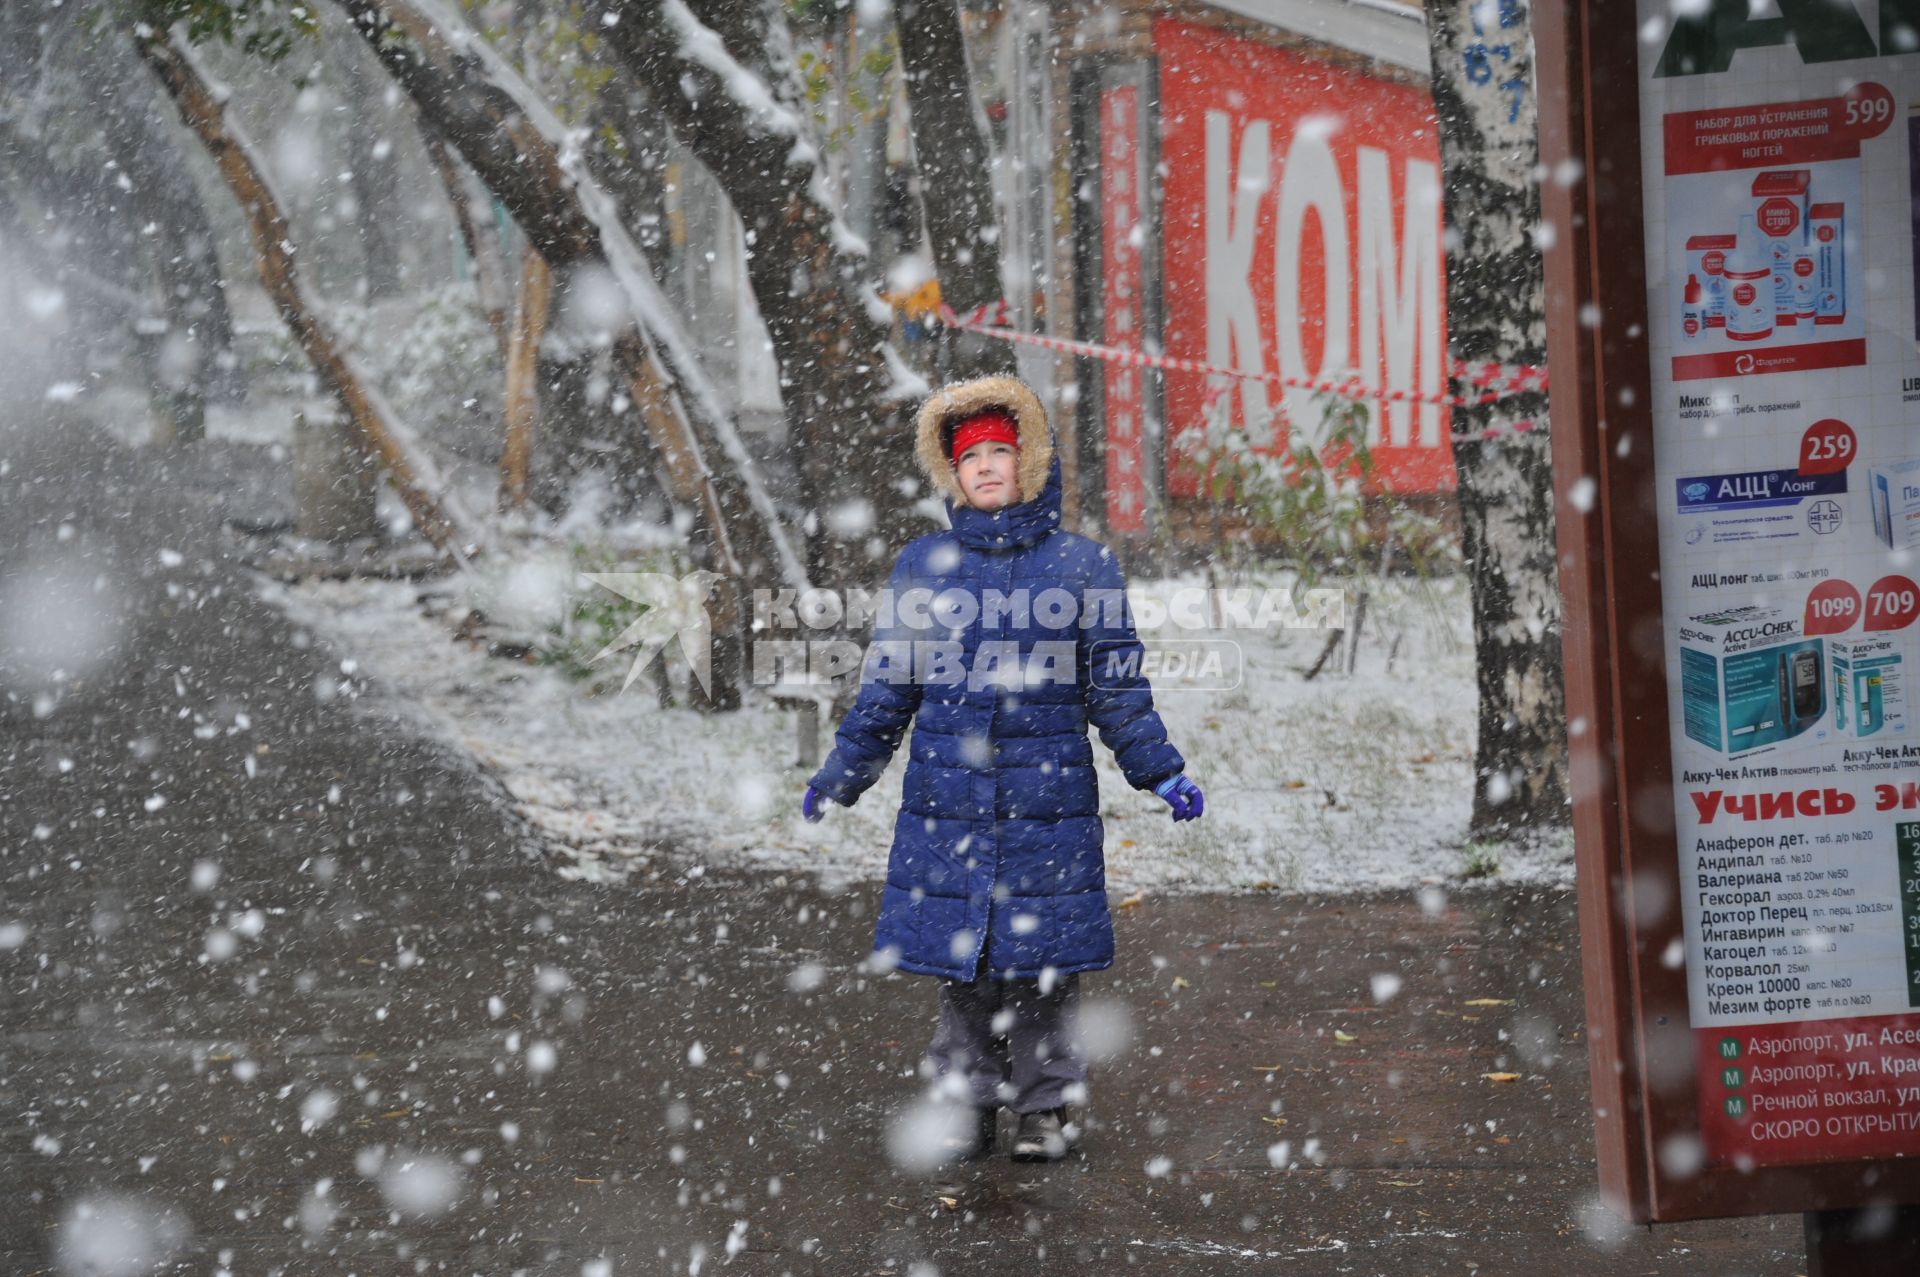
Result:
pixel 1497 381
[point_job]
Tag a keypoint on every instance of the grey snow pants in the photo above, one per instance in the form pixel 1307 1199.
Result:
pixel 1003 1042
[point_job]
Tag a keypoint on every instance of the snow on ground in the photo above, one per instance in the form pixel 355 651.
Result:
pixel 1348 782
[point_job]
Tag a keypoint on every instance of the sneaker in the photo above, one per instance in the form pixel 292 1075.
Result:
pixel 1045 1136
pixel 978 1139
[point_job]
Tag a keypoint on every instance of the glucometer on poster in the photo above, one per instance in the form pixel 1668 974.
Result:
pixel 1806 686
pixel 1750 678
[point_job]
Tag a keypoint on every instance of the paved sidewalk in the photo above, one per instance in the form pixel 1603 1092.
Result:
pixel 491 1070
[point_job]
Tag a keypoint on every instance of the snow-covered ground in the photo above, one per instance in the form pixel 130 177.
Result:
pixel 1346 782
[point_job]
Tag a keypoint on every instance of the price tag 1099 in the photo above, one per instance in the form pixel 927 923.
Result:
pixel 1832 608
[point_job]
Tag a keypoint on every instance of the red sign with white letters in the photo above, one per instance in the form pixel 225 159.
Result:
pixel 1303 238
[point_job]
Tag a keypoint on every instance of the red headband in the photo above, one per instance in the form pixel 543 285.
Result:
pixel 992 426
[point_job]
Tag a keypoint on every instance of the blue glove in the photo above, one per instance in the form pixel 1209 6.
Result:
pixel 1183 796
pixel 813 806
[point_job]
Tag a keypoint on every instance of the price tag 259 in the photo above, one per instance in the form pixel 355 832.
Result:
pixel 1827 447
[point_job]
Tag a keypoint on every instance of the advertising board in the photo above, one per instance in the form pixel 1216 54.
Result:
pixel 1782 429
pixel 1732 327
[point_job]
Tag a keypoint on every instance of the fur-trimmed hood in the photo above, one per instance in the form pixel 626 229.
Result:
pixel 964 398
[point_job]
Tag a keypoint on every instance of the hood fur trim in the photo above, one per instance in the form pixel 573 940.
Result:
pixel 963 399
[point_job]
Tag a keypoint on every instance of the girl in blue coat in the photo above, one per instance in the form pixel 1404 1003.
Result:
pixel 1001 639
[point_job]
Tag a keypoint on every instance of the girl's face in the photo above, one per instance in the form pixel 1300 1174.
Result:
pixel 986 475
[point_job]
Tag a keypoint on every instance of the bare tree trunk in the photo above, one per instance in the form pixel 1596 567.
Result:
pixel 633 164
pixel 1496 312
pixel 476 232
pixel 76 228
pixel 628 152
pixel 523 388
pixel 722 73
pixel 954 154
pixel 127 258
pixel 580 432
pixel 185 261
pixel 428 496
pixel 161 209
pixel 372 182
pixel 370 168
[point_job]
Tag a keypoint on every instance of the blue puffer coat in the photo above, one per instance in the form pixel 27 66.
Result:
pixel 997 849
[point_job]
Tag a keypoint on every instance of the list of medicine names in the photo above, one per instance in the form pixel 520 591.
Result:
pixel 1797 925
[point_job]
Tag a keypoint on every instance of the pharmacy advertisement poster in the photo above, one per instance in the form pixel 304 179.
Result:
pixel 1762 233
pixel 1780 180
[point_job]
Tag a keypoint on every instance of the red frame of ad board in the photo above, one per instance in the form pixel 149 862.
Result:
pixel 1614 641
pixel 1203 67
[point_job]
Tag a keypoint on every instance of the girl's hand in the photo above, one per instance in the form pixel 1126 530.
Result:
pixel 1183 796
pixel 813 806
